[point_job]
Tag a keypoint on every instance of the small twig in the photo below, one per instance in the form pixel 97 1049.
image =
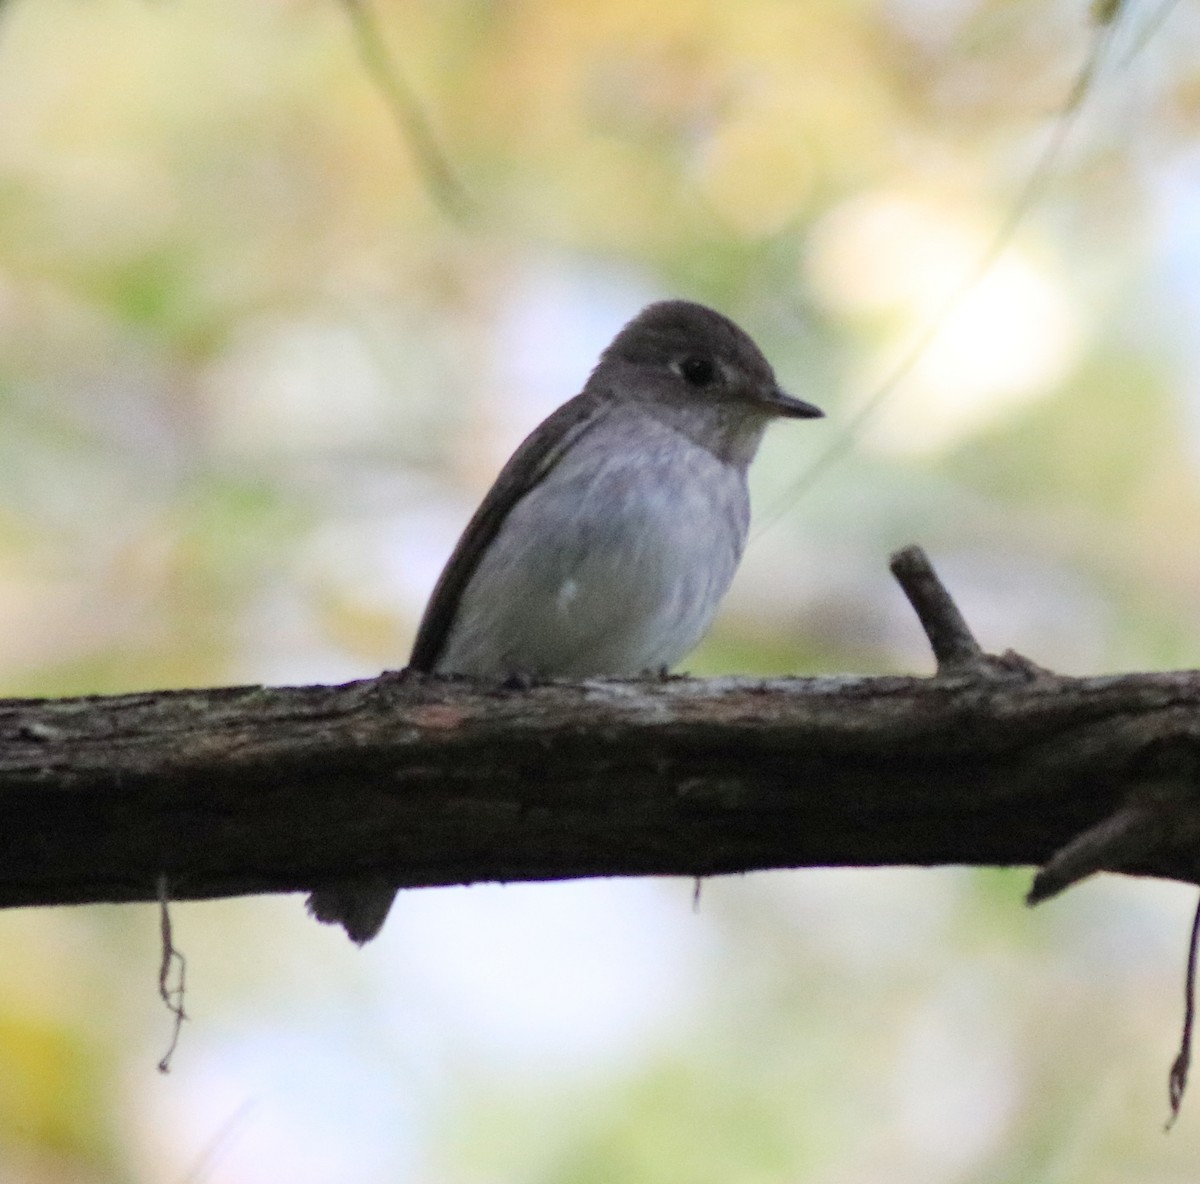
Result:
pixel 954 645
pixel 1177 1079
pixel 171 996
pixel 405 108
pixel 1115 842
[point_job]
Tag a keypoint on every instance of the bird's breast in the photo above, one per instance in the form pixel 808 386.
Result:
pixel 613 565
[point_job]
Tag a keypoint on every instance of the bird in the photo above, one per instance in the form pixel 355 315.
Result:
pixel 608 540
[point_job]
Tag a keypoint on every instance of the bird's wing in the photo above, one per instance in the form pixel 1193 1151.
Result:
pixel 526 468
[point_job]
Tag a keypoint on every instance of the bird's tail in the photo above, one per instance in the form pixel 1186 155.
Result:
pixel 358 906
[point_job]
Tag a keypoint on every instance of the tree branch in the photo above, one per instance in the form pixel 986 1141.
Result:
pixel 424 781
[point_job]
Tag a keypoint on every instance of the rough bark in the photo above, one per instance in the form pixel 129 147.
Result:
pixel 430 781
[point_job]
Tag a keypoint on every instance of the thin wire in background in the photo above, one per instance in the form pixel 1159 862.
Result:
pixel 1107 21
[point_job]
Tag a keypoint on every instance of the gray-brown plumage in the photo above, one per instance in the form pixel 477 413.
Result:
pixel 611 535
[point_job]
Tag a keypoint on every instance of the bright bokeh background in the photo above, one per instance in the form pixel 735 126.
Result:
pixel 253 380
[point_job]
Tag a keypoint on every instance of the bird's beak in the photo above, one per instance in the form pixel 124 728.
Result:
pixel 789 407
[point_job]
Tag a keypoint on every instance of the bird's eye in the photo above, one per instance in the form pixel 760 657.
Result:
pixel 697 371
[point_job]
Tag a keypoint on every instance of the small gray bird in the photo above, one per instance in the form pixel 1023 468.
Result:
pixel 610 537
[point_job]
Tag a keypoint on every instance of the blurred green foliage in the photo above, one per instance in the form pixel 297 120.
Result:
pixel 252 380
